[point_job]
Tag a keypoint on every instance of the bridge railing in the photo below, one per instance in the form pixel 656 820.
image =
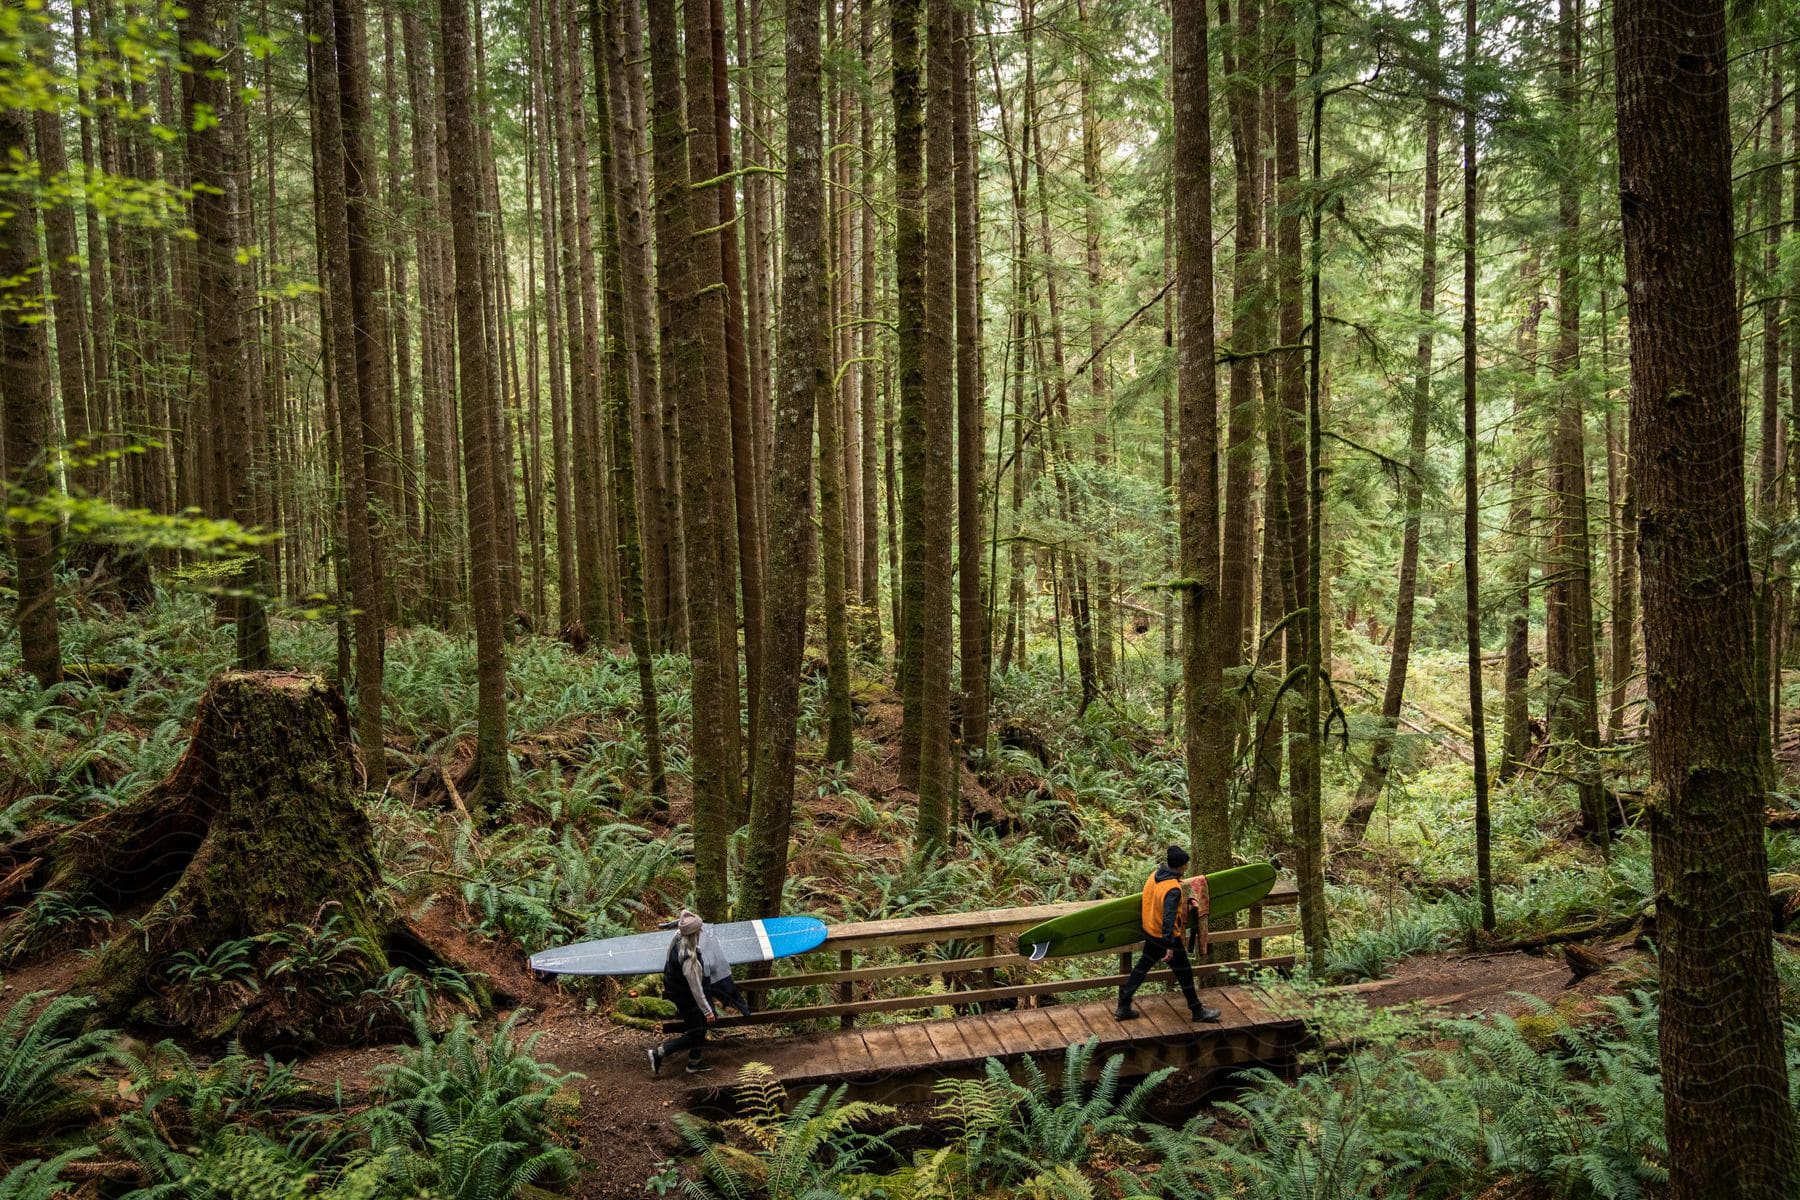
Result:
pixel 973 978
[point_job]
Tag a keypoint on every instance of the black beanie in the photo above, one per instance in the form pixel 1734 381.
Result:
pixel 1178 858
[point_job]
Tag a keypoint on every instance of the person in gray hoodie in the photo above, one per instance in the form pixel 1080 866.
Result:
pixel 720 985
pixel 684 986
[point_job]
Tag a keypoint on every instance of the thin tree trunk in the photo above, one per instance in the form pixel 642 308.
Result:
pixel 971 401
pixel 365 593
pixel 937 817
pixel 867 316
pixel 1249 326
pixel 616 182
pixel 478 405
pixel 1412 488
pixel 910 363
pixel 1516 735
pixel 367 286
pixel 1484 875
pixel 1574 706
pixel 222 292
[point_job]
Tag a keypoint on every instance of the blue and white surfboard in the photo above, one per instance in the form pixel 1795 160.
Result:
pixel 643 953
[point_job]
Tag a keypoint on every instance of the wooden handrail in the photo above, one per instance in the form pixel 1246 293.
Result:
pixel 1204 974
pixel 988 927
pixel 947 966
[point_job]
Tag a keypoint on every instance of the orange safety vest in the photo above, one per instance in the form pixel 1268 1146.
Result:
pixel 1156 892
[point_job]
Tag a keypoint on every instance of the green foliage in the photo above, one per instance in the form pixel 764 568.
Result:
pixel 42 1044
pixel 39 1179
pixel 471 1118
pixel 807 1153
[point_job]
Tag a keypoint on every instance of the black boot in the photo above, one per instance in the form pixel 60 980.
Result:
pixel 1126 1013
pixel 1204 1013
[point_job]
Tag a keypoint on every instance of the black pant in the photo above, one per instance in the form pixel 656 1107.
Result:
pixel 1153 955
pixel 691 1038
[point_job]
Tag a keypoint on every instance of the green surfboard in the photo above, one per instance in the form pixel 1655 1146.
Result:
pixel 1114 924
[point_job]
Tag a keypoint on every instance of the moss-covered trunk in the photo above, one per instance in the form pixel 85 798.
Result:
pixel 255 838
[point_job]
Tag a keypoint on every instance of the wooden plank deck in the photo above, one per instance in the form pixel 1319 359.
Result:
pixel 900 1062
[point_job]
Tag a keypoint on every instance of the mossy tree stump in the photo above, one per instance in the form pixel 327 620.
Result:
pixel 255 842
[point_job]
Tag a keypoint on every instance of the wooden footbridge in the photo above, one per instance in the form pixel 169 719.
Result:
pixel 1000 1006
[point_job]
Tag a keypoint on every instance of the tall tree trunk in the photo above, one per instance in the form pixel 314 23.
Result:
pixel 867 316
pixel 938 428
pixel 1516 735
pixel 1412 488
pixel 221 291
pixel 744 468
pixel 25 392
pixel 362 203
pixel 833 546
pixel 1206 727
pixel 1725 1089
pixel 688 379
pixel 365 593
pixel 478 405
pixel 712 311
pixel 804 382
pixel 1569 597
pixel 971 400
pixel 1249 326
pixel 910 364
pixel 1296 542
pixel 616 183
pixel 1770 477
pixel 1104 622
pixel 1484 875
pixel 443 539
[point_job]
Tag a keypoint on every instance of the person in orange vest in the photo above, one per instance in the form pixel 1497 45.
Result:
pixel 1165 917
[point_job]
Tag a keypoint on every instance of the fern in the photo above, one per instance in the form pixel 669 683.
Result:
pixel 41 1045
pixel 37 1179
pixel 470 1118
pixel 781 1155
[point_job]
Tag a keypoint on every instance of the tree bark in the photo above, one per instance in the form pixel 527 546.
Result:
pixel 711 770
pixel 1569 597
pixel 803 382
pixel 1725 1089
pixel 711 311
pixel 477 408
pixel 365 592
pixel 910 350
pixel 604 32
pixel 1521 514
pixel 25 390
pixel 937 817
pixel 1484 875
pixel 1206 729
pixel 971 401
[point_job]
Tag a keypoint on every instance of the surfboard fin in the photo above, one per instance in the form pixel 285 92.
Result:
pixel 1039 952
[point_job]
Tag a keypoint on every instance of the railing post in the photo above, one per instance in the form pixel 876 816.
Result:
pixel 846 990
pixel 1256 920
pixel 988 945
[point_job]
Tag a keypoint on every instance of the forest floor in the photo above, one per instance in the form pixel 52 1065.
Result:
pixel 626 1126
pixel 1072 806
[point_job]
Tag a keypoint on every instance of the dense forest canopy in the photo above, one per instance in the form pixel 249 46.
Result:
pixel 885 458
